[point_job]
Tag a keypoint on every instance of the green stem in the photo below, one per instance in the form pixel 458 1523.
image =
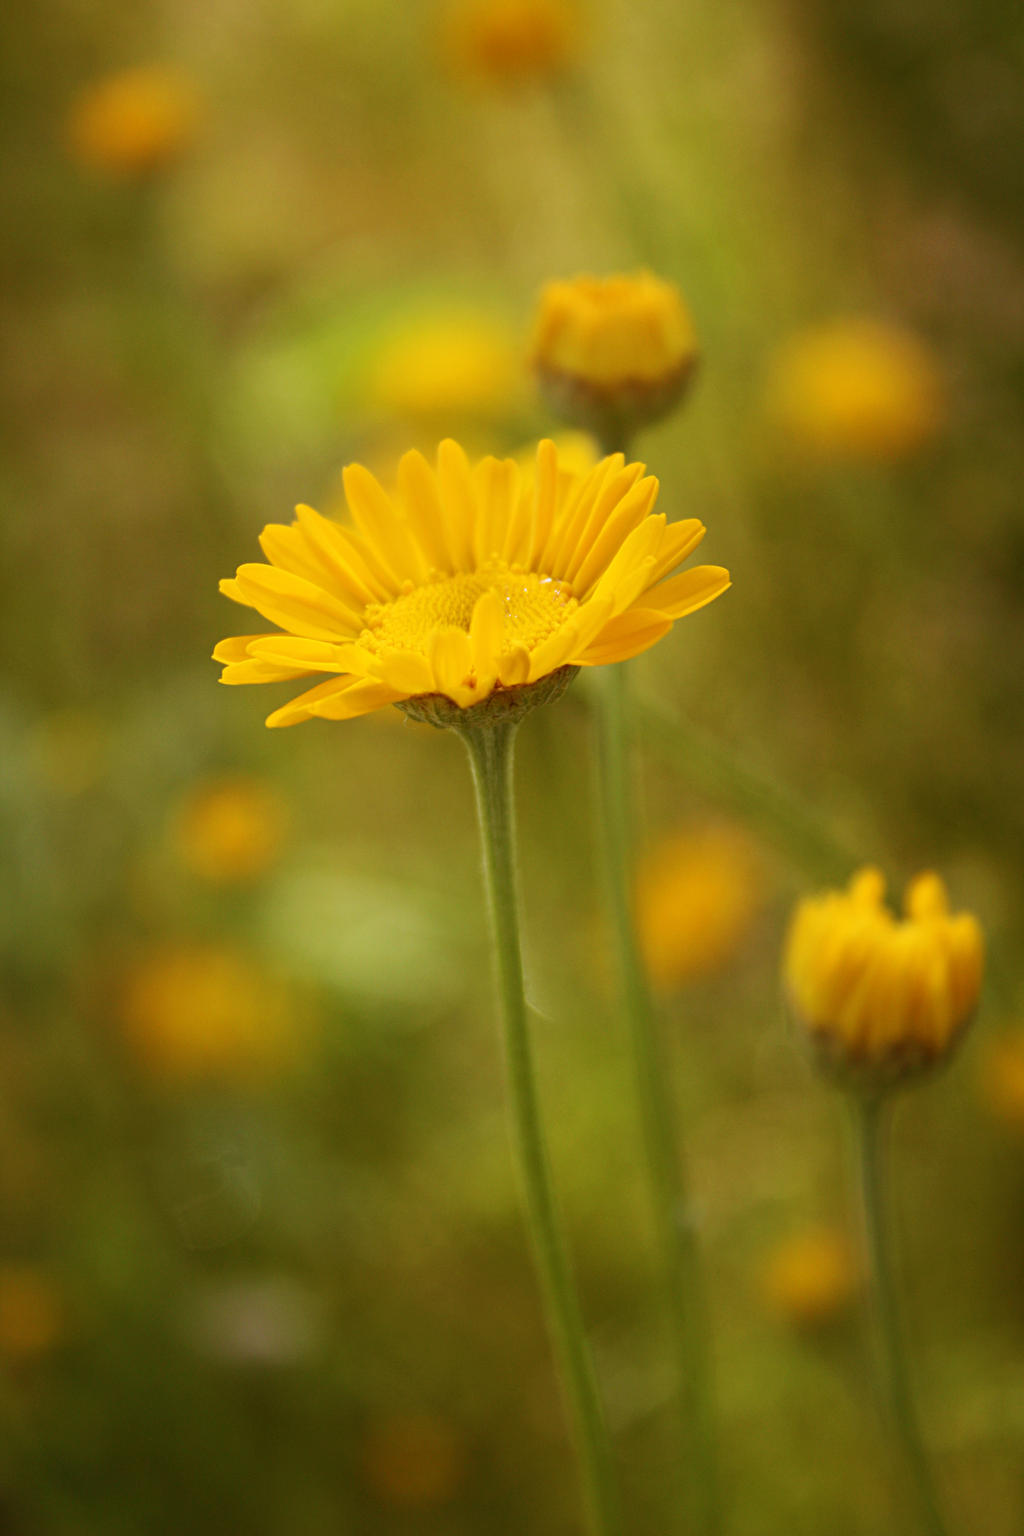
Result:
pixel 870 1127
pixel 679 1257
pixel 490 752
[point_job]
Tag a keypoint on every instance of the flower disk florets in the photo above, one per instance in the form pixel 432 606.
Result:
pixel 880 998
pixel 470 583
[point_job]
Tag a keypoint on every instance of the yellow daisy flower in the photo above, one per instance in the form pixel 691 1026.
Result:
pixel 472 581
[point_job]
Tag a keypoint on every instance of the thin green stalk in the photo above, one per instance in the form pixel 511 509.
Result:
pixel 870 1128
pixel 679 1257
pixel 490 752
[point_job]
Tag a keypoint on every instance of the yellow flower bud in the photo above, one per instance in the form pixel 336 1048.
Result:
pixel 613 354
pixel 856 389
pixel 810 1279
pixel 133 123
pixel 512 42
pixel 882 998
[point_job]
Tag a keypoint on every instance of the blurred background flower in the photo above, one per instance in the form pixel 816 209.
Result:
pixel 134 123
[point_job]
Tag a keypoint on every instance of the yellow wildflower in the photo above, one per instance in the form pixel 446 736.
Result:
pixel 446 368
pixel 697 893
pixel 613 353
pixel 882 998
pixel 31 1312
pixel 856 389
pixel 231 829
pixel 413 1461
pixel 1002 1079
pixel 468 585
pixel 135 122
pixel 512 42
pixel 810 1278
pixel 198 1011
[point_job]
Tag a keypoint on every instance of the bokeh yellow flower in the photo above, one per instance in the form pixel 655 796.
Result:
pixel 612 354
pixel 231 829
pixel 1001 1079
pixel 879 997
pixel 856 390
pixel 134 123
pixel 195 1012
pixel 697 892
pixel 470 582
pixel 811 1278
pixel 413 1461
pixel 446 369
pixel 31 1312
pixel 512 42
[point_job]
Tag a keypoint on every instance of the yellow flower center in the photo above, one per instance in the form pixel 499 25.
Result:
pixel 535 606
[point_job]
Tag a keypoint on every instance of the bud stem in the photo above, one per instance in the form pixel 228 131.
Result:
pixel 490 751
pixel 871 1127
pixel 679 1258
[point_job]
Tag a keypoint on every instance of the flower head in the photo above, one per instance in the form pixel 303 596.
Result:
pixel 231 829
pixel 697 893
pixel 133 123
pixel 882 998
pixel 856 389
pixel 613 353
pixel 810 1278
pixel 512 42
pixel 472 585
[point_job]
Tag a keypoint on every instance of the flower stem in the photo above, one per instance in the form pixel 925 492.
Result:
pixel 870 1127
pixel 490 752
pixel 679 1258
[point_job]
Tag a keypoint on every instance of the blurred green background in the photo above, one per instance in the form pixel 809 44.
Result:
pixel 261 1263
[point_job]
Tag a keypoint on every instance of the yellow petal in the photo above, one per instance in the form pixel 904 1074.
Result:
pixel 451 661
pixel 296 604
pixel 514 667
pixel 458 503
pixel 361 699
pixel 678 542
pixel 236 647
pixel 487 630
pixel 406 670
pixel 688 591
pixel 312 655
pixel 382 526
pixel 627 635
pixel 301 708
pixel 417 484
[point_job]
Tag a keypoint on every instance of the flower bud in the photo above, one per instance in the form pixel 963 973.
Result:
pixel 882 999
pixel 613 354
